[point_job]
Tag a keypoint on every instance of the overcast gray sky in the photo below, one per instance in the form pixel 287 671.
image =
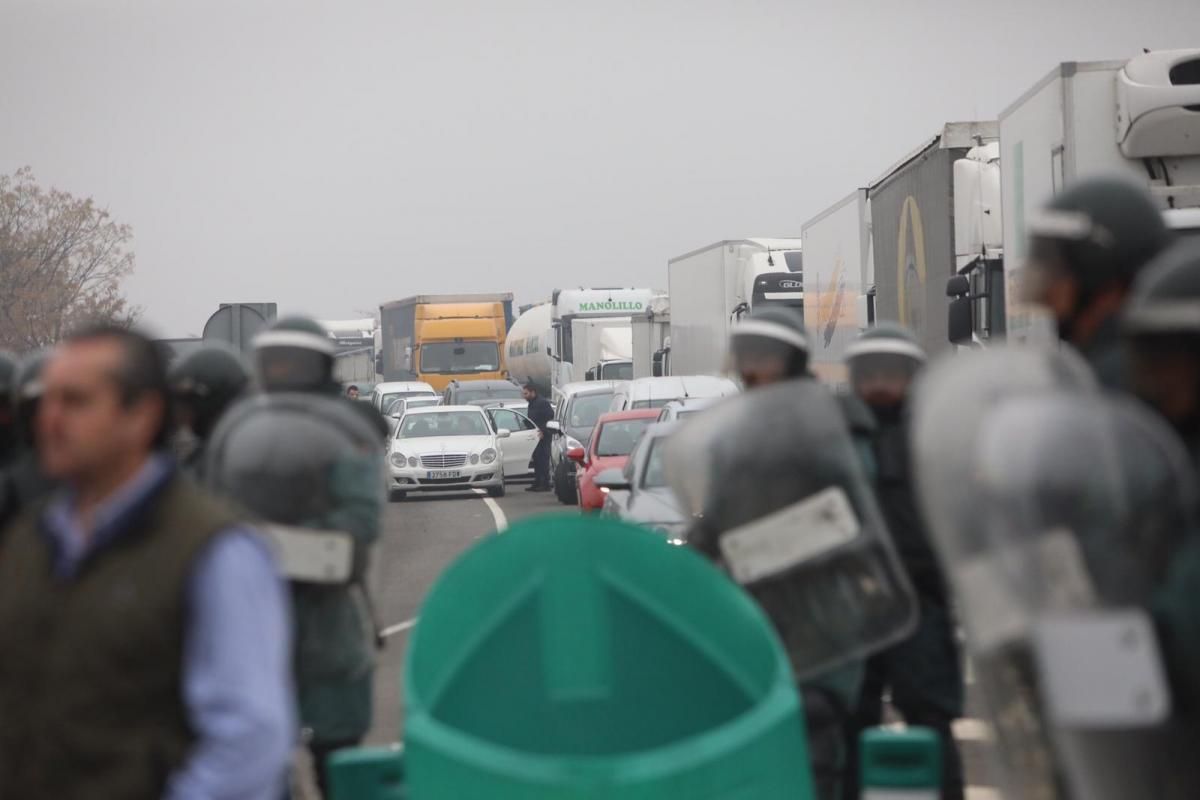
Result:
pixel 330 156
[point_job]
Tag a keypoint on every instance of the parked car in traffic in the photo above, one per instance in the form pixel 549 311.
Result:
pixel 677 410
pixel 657 392
pixel 577 406
pixel 445 449
pixel 396 410
pixel 462 393
pixel 609 447
pixel 384 394
pixel 639 493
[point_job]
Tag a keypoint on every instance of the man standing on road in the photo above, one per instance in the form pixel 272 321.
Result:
pixel 1086 248
pixel 540 413
pixel 922 672
pixel 145 630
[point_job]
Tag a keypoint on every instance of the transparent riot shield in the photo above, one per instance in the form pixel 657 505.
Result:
pixel 779 498
pixel 310 468
pixel 1061 521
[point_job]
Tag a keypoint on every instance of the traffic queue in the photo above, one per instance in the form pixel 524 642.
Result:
pixel 184 557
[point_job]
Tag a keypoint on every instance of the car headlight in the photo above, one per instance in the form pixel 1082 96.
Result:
pixel 474 458
pixel 412 461
pixel 488 456
pixel 398 459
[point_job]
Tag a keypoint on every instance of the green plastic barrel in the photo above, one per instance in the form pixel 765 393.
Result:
pixel 897 763
pixel 579 657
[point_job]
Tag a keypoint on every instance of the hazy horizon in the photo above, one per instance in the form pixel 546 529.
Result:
pixel 333 156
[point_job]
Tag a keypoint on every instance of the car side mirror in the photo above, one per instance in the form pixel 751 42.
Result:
pixel 576 454
pixel 958 286
pixel 554 427
pixel 503 433
pixel 960 325
pixel 612 480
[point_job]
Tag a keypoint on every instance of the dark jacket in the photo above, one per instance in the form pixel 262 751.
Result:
pixel 1106 355
pixel 540 412
pixel 92 704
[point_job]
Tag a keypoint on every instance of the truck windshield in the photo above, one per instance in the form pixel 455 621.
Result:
pixel 458 358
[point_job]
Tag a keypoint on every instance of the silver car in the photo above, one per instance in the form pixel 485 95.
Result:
pixel 639 493
pixel 577 406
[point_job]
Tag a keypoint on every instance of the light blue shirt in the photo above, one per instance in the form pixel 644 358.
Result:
pixel 237 669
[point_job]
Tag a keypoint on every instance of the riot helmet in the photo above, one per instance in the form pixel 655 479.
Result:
pixel 295 354
pixel 203 385
pixel 778 496
pixel 768 346
pixel 1094 237
pixel 883 363
pixel 27 392
pixel 1161 326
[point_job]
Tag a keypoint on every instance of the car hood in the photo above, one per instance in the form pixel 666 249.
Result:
pixel 655 507
pixel 442 444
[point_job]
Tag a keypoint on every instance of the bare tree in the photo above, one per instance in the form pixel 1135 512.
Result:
pixel 62 260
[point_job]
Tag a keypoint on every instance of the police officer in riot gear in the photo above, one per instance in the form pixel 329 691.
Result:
pixel 204 384
pixel 769 352
pixel 1086 248
pixel 307 461
pixel 1162 327
pixel 922 672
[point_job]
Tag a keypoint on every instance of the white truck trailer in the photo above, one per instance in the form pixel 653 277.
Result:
pixel 1139 117
pixel 715 286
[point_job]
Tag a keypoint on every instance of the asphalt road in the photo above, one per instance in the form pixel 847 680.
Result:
pixel 423 535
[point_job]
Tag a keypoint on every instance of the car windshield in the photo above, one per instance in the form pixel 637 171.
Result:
pixel 617 438
pixel 654 476
pixel 468 396
pixel 651 403
pixel 392 397
pixel 459 357
pixel 407 403
pixel 448 423
pixel 587 408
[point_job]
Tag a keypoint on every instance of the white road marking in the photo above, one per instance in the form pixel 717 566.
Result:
pixel 983 793
pixel 398 628
pixel 497 512
pixel 972 730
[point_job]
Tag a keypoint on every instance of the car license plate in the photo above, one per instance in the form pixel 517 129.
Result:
pixel 434 475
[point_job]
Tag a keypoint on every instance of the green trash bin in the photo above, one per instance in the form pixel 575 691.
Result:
pixel 580 657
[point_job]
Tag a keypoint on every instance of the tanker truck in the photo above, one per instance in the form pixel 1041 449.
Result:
pixel 579 331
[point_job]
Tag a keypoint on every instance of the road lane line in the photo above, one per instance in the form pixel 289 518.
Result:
pixel 972 730
pixel 398 628
pixel 497 512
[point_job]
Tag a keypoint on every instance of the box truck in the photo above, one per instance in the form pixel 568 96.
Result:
pixel 714 287
pixel 887 251
pixel 1139 117
pixel 440 338
pixel 652 339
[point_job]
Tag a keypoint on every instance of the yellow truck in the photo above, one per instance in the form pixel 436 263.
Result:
pixel 441 338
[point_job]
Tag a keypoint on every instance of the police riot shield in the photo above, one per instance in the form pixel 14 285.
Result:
pixel 1055 511
pixel 779 497
pixel 310 468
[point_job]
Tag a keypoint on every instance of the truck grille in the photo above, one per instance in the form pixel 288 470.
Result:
pixel 443 460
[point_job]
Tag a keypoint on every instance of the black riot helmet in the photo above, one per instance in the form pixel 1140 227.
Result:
pixel 295 354
pixel 27 393
pixel 883 362
pixel 1161 326
pixel 769 346
pixel 204 383
pixel 1099 234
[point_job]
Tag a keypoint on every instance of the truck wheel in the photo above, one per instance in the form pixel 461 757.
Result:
pixel 395 496
pixel 497 491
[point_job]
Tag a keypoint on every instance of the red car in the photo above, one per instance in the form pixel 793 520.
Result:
pixel 612 441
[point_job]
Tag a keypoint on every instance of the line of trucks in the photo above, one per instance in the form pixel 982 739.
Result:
pixel 936 242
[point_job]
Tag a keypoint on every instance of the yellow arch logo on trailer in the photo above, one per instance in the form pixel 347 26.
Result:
pixel 910 265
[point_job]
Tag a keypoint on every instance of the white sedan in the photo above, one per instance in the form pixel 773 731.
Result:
pixel 446 449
